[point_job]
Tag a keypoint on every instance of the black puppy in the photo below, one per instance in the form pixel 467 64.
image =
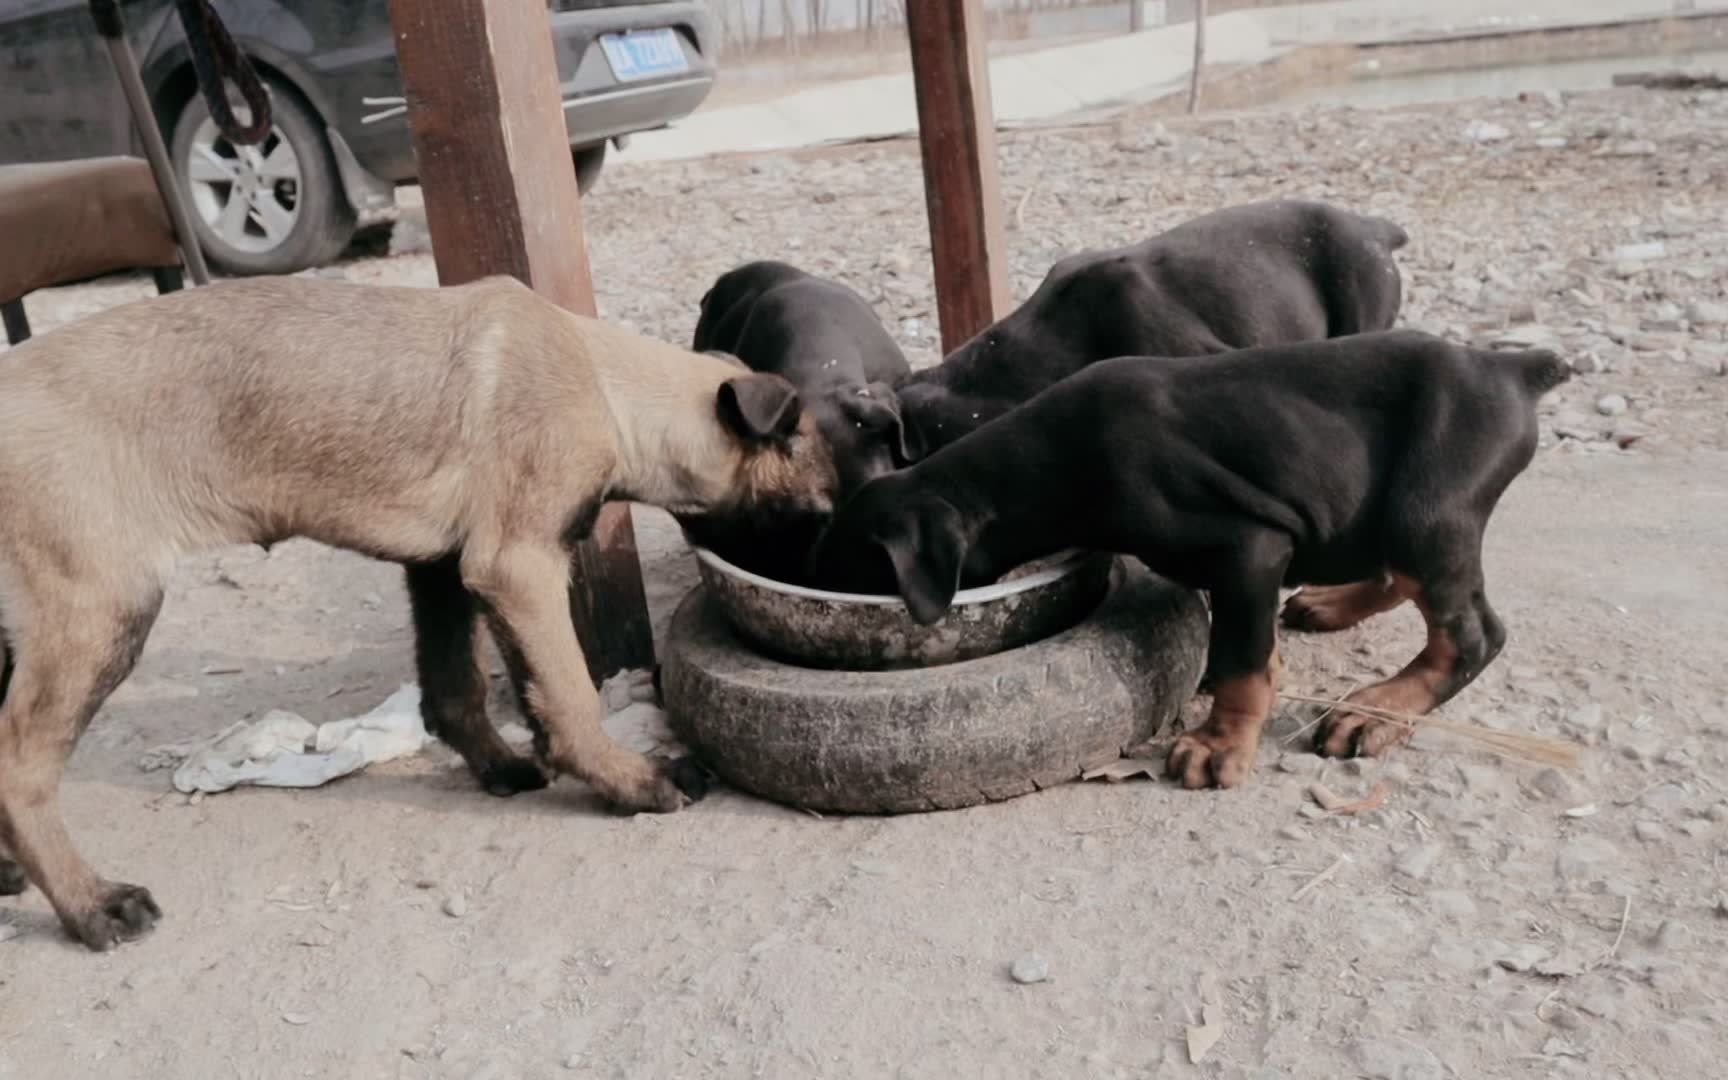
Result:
pixel 826 340
pixel 1265 273
pixel 1377 457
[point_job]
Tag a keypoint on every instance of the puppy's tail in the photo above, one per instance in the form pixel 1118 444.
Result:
pixel 1538 370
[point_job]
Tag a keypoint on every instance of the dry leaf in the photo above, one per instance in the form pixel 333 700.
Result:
pixel 1203 1038
pixel 1125 769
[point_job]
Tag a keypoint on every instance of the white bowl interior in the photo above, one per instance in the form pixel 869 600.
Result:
pixel 1069 560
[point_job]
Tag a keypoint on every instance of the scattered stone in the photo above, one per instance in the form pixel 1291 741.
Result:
pixel 1417 862
pixel 1673 936
pixel 1531 336
pixel 1638 253
pixel 1553 784
pixel 1301 764
pixel 1552 142
pixel 1670 798
pixel 1588 723
pixel 1523 958
pixel 1706 313
pixel 8 932
pixel 1484 132
pixel 1589 362
pixel 1584 858
pixel 1028 969
pixel 1611 404
pixel 1566 965
pixel 1452 904
pixel 1650 832
pixel 456 906
pixel 1396 1059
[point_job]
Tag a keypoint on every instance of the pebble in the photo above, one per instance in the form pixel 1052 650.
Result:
pixel 1484 132
pixel 1650 832
pixel 456 906
pixel 1396 1059
pixel 1672 935
pixel 1589 363
pixel 1653 249
pixel 1301 764
pixel 1611 404
pixel 1417 862
pixel 1523 958
pixel 1589 722
pixel 1452 903
pixel 1584 857
pixel 1028 969
pixel 1666 798
pixel 1706 313
pixel 1551 783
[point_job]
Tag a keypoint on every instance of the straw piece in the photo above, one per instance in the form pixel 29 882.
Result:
pixel 1538 749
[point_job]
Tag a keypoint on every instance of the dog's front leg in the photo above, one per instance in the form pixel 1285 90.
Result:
pixel 447 655
pixel 1245 667
pixel 524 587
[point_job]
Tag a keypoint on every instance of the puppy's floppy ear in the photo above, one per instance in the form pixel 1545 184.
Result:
pixel 759 407
pixel 927 545
pixel 877 408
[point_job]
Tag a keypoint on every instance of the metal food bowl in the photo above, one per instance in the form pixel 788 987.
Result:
pixel 864 632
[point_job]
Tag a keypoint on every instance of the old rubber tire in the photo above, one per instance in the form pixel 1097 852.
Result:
pixel 942 737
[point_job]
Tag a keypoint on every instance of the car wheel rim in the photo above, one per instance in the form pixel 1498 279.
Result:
pixel 248 196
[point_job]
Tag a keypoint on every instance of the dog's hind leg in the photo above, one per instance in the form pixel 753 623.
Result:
pixel 448 656
pixel 13 879
pixel 1324 608
pixel 77 646
pixel 1244 667
pixel 523 588
pixel 1464 636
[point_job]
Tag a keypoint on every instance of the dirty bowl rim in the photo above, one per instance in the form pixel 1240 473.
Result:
pixel 1068 561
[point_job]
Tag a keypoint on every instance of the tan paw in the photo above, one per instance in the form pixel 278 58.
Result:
pixel 1203 758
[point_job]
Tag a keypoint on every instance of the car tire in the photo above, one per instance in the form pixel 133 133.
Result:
pixel 294 214
pixel 588 161
pixel 936 738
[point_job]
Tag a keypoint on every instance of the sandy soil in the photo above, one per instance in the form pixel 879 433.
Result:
pixel 1492 920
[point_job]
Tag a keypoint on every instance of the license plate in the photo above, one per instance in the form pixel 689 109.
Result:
pixel 644 54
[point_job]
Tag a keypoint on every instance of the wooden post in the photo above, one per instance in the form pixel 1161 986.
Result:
pixel 500 190
pixel 1199 56
pixel 951 76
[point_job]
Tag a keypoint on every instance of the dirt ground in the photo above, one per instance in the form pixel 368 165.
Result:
pixel 1492 920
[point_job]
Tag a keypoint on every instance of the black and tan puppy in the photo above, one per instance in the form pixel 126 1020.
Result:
pixel 827 341
pixel 471 433
pixel 1265 273
pixel 1371 458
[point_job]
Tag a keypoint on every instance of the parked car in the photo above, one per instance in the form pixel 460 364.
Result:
pixel 340 143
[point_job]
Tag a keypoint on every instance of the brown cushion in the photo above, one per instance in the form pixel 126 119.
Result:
pixel 65 221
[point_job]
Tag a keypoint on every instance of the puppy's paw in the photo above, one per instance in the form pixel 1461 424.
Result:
pixel 121 913
pixel 512 776
pixel 13 879
pixel 646 787
pixel 1208 758
pixel 691 777
pixel 1343 733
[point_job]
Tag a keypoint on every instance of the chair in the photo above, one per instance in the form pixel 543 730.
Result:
pixel 67 221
